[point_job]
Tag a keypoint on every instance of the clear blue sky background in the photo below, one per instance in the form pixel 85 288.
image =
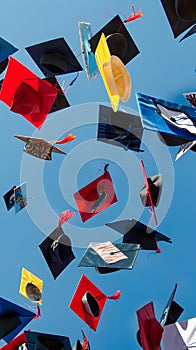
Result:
pixel 164 68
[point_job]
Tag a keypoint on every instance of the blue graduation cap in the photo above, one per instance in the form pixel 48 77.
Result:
pixel 88 56
pixel 6 49
pixel 174 122
pixel 13 318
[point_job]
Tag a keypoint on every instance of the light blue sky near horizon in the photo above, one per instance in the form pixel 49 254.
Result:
pixel 164 68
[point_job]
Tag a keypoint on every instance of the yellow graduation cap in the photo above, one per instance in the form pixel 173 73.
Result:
pixel 31 286
pixel 115 76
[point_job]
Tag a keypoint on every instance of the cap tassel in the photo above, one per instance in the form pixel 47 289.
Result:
pixel 38 313
pixel 65 216
pixel 68 138
pixel 85 344
pixel 115 296
pixel 134 15
pixel 158 250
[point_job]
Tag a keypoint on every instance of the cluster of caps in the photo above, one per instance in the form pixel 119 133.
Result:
pixel 106 52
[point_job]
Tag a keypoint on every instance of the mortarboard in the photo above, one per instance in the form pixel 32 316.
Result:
pixel 6 49
pixel 181 14
pixel 96 196
pixel 16 343
pixel 44 341
pixel 25 93
pixel 82 346
pixel 118 39
pixel 13 318
pixel 88 302
pixel 115 76
pixel 57 251
pixel 119 128
pixel 151 191
pixel 191 145
pixel 172 310
pixel 31 286
pixel 60 101
pixel 150 331
pixel 138 233
pixel 104 257
pixel 88 56
pixel 54 57
pixel 16 197
pixel 173 121
pixel 39 148
pixel 180 335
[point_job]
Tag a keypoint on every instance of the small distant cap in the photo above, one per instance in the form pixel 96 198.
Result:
pixel 155 183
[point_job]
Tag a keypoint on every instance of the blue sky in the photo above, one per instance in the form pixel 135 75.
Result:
pixel 164 68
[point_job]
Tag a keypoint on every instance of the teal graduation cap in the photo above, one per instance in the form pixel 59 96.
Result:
pixel 13 318
pixel 6 49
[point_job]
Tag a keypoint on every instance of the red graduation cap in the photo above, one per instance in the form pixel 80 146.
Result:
pixel 149 328
pixel 96 196
pixel 15 343
pixel 88 302
pixel 25 93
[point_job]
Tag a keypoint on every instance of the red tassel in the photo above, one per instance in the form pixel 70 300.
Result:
pixel 67 138
pixel 158 250
pixel 65 216
pixel 134 15
pixel 115 295
pixel 85 344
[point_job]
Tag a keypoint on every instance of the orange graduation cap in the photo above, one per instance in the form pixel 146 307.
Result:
pixel 88 302
pixel 26 94
pixel 96 196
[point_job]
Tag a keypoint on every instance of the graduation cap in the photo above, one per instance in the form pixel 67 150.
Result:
pixel 150 331
pixel 25 93
pixel 172 310
pixel 108 257
pixel 31 286
pixel 61 101
pixel 136 232
pixel 151 191
pixel 87 55
pixel 119 41
pixel 96 196
pixel 119 128
pixel 88 302
pixel 54 57
pixel 191 145
pixel 115 76
pixel 180 335
pixel 175 123
pixel 40 148
pixel 6 49
pixel 18 343
pixel 16 197
pixel 13 318
pixel 57 251
pixel 44 341
pixel 181 14
pixel 84 345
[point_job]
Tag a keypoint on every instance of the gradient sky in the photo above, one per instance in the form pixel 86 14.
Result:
pixel 164 68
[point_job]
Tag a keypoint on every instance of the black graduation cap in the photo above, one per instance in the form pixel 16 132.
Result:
pixel 118 39
pixel 6 49
pixel 60 101
pixel 84 345
pixel 172 310
pixel 181 14
pixel 100 256
pixel 43 341
pixel 57 251
pixel 119 128
pixel 136 232
pixel 54 57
